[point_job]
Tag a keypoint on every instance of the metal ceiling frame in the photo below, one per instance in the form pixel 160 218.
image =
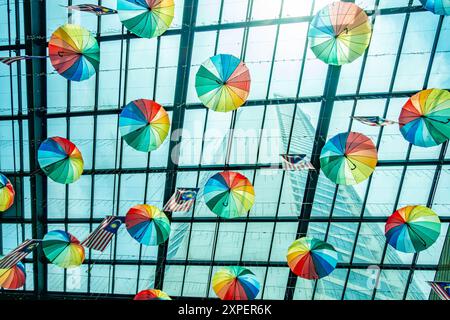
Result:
pixel 181 89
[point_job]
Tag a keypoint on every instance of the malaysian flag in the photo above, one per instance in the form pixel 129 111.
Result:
pixel 10 60
pixel 15 256
pixel 92 8
pixel 442 289
pixel 102 235
pixel 296 162
pixel 374 121
pixel 182 200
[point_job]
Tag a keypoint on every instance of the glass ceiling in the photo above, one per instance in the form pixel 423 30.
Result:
pixel 296 103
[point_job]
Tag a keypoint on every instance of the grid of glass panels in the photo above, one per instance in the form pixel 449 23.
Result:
pixel 282 115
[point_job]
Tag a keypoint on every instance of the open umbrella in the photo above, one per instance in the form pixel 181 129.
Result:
pixel 425 118
pixel 7 193
pixel 152 294
pixel 348 158
pixel 60 160
pixel 340 33
pixel 440 7
pixel 223 83
pixel 147 225
pixel 412 228
pixel 229 194
pixel 13 278
pixel 235 283
pixel 92 8
pixel 144 125
pixel 63 249
pixel 74 52
pixel 146 18
pixel 311 258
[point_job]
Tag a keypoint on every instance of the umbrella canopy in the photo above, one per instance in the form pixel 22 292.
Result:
pixel 440 7
pixel 74 52
pixel 144 125
pixel 152 294
pixel 235 283
pixel 223 83
pixel 146 18
pixel 63 249
pixel 340 33
pixel 311 258
pixel 229 194
pixel 412 228
pixel 348 158
pixel 60 160
pixel 13 278
pixel 147 225
pixel 425 118
pixel 7 193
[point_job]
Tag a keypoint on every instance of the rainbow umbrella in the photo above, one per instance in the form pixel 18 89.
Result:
pixel 60 160
pixel 74 52
pixel 7 193
pixel 63 249
pixel 311 258
pixel 440 7
pixel 152 294
pixel 144 124
pixel 235 283
pixel 425 118
pixel 223 83
pixel 147 225
pixel 340 33
pixel 348 158
pixel 412 228
pixel 146 18
pixel 13 278
pixel 229 194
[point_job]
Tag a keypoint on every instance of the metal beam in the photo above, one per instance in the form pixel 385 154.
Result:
pixel 444 148
pixel 181 89
pixel 261 166
pixel 443 269
pixel 355 219
pixel 35 25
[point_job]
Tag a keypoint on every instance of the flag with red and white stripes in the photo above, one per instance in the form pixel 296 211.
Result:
pixel 102 235
pixel 296 162
pixel 19 253
pixel 10 60
pixel 442 289
pixel 182 200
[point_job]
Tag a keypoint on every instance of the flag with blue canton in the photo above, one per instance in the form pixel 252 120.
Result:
pixel 19 253
pixel 102 235
pixel 296 162
pixel 374 121
pixel 182 200
pixel 92 8
pixel 442 289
